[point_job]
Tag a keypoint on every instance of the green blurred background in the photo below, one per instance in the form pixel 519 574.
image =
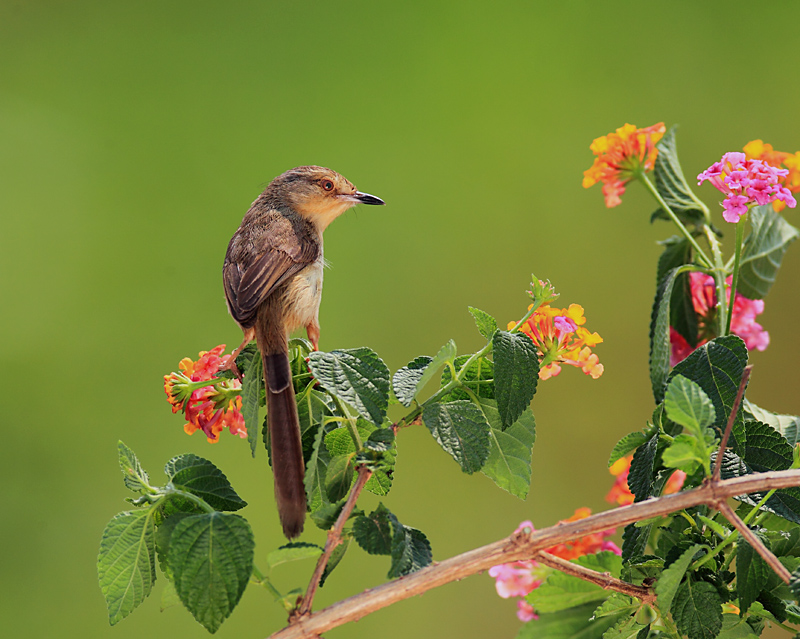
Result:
pixel 134 136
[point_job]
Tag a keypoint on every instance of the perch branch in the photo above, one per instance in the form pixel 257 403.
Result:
pixel 522 546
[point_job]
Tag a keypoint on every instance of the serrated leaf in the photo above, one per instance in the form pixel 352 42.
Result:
pixel 486 324
pixel 379 452
pixel 766 448
pixel 794 583
pixel 478 378
pixel 509 462
pixel 211 557
pixel 134 476
pixel 788 544
pixel 684 453
pixel 634 540
pixel 627 444
pixel 461 430
pixel 697 610
pixel 786 425
pixel 374 532
pixel 357 376
pixel 734 627
pixel 202 478
pixel 447 353
pixel 763 251
pixel 625 629
pixel 339 476
pixel 126 563
pixel 640 475
pixel 336 558
pixel 313 408
pixel 294 551
pixel 411 551
pixel 316 471
pixel 573 623
pixel 326 515
pixel 516 373
pixel 639 568
pixel 169 596
pixel 659 334
pixel 672 186
pixel 682 316
pixel 406 380
pixel 752 574
pixel 163 537
pixel 671 577
pixel 717 367
pixel 616 604
pixel 688 405
pixel 560 591
pixel 252 383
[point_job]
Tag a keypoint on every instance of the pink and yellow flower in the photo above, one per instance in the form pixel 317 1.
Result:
pixel 210 408
pixel 622 495
pixel 561 338
pixel 759 150
pixel 621 157
pixel 704 301
pixel 746 182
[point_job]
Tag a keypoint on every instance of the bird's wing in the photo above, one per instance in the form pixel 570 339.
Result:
pixel 275 257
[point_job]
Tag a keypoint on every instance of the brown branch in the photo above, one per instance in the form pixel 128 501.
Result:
pixel 602 579
pixel 521 546
pixel 731 418
pixel 754 541
pixel 334 539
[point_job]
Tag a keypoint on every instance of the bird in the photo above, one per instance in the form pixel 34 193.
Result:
pixel 272 276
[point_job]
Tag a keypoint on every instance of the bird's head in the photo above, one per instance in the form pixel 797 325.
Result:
pixel 319 194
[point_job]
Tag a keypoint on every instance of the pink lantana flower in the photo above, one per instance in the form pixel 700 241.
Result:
pixel 525 611
pixel 745 182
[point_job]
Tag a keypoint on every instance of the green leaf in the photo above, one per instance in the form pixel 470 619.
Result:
pixel 697 610
pixel 357 376
pixel 411 551
pixel 786 425
pixel 734 627
pixel 163 537
pixel 294 551
pixel 126 564
pixel 572 623
pixel 325 516
pixel 169 596
pixel 659 334
pixel 672 186
pixel 684 453
pixel 625 629
pixel 627 444
pixel 336 557
pixel 374 532
pixel 509 462
pixel 561 591
pixel 794 584
pixel 639 568
pixel 486 324
pixel 682 316
pixel 461 430
pixel 516 373
pixel 379 452
pixel 717 367
pixel 640 475
pixel 313 408
pixel 670 579
pixel 252 384
pixel 202 478
pixel 316 471
pixel 478 378
pixel 617 603
pixel 688 405
pixel 788 544
pixel 211 557
pixel 134 476
pixel 763 251
pixel 752 574
pixel 405 382
pixel 339 476
pixel 766 448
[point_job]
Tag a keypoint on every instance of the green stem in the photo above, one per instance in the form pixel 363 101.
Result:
pixel 736 263
pixel 719 278
pixel 350 422
pixel 701 255
pixel 169 490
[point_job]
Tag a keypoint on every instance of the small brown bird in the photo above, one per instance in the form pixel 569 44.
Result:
pixel 273 285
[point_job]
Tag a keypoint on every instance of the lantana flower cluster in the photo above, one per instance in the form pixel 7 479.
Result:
pixel 561 339
pixel 704 300
pixel 212 407
pixel 519 578
pixel 760 150
pixel 746 182
pixel 620 492
pixel 621 157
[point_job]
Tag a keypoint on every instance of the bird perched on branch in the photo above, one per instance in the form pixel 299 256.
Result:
pixel 273 285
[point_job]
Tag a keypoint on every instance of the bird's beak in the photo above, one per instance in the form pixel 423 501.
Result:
pixel 366 198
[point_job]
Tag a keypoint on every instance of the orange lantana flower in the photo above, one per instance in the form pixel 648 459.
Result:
pixel 760 150
pixel 622 495
pixel 561 338
pixel 621 157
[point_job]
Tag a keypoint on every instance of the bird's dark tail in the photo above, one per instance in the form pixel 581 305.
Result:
pixel 284 435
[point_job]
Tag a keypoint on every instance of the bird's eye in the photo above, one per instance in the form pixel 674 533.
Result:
pixel 327 185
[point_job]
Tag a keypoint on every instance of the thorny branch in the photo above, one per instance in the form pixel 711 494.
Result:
pixel 522 546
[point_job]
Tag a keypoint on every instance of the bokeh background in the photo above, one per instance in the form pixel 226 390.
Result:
pixel 134 136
